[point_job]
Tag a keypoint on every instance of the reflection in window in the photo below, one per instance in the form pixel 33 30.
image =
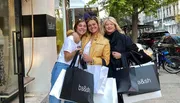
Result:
pixel 174 9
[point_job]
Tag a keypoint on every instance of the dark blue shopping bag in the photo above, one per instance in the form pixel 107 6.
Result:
pixel 78 84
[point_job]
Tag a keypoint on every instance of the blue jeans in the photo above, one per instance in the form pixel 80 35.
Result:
pixel 54 75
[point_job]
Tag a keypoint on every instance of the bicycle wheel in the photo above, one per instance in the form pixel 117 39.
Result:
pixel 173 66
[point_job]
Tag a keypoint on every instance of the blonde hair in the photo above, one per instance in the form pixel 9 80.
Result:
pixel 69 32
pixel 113 20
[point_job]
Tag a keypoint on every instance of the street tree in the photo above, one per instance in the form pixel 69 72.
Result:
pixel 131 9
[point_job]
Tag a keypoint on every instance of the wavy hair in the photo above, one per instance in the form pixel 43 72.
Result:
pixel 77 22
pixel 96 20
pixel 113 20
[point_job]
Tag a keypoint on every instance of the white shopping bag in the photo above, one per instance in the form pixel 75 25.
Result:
pixel 110 93
pixel 100 77
pixel 145 64
pixel 56 89
pixel 140 97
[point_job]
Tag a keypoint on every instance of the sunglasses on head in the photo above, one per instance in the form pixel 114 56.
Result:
pixel 80 19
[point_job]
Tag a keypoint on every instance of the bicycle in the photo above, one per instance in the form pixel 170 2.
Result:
pixel 163 59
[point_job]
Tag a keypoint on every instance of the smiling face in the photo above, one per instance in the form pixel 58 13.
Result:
pixel 81 28
pixel 93 26
pixel 109 27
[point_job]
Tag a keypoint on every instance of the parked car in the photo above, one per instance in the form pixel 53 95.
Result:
pixel 171 43
pixel 149 38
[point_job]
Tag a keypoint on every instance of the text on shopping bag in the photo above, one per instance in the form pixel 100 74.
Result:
pixel 146 78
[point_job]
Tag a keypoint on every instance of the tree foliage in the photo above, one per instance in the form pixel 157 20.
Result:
pixel 59 31
pixel 131 8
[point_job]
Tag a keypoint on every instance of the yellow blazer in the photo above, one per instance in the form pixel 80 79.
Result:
pixel 100 48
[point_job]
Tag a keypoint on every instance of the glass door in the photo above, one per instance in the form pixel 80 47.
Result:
pixel 11 65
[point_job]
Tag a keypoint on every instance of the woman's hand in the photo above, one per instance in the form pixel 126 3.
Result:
pixel 116 55
pixel 87 58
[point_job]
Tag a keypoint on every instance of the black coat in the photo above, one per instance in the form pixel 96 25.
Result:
pixel 119 43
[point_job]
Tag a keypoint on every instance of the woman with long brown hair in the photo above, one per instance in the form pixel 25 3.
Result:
pixel 66 55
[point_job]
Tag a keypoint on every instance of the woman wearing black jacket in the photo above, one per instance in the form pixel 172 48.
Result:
pixel 118 46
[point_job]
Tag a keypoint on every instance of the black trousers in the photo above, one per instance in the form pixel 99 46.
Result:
pixel 120 98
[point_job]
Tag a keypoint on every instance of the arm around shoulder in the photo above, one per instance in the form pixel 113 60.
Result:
pixel 106 52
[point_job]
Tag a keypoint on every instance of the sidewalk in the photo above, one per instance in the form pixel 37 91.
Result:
pixel 33 98
pixel 170 88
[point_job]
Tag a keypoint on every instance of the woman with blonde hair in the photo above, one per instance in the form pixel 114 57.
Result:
pixel 113 20
pixel 96 48
pixel 118 44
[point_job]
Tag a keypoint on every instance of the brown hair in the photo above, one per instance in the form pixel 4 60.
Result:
pixel 77 22
pixel 95 19
pixel 92 18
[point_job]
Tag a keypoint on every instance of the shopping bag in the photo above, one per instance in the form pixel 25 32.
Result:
pixel 100 76
pixel 110 93
pixel 123 80
pixel 137 79
pixel 78 85
pixel 83 64
pixel 56 89
pixel 136 98
pixel 139 54
pixel 133 81
pixel 146 78
pixel 122 76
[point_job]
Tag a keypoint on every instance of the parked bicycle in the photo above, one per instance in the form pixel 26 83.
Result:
pixel 169 63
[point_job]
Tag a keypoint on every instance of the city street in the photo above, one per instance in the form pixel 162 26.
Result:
pixel 170 88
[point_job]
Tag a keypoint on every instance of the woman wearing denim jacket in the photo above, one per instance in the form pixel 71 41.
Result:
pixel 66 55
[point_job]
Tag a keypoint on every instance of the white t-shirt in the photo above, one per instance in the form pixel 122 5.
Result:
pixel 87 48
pixel 69 45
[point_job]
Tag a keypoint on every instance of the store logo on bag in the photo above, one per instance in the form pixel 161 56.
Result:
pixel 83 89
pixel 144 81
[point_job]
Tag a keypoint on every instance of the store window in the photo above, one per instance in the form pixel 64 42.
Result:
pixel 8 81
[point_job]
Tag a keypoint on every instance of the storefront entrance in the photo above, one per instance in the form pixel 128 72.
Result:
pixel 11 52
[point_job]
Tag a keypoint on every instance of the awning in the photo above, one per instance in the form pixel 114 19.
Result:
pixel 80 4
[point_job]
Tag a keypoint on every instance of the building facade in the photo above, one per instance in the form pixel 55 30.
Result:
pixel 27 48
pixel 166 18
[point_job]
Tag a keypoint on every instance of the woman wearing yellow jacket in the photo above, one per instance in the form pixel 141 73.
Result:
pixel 96 48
